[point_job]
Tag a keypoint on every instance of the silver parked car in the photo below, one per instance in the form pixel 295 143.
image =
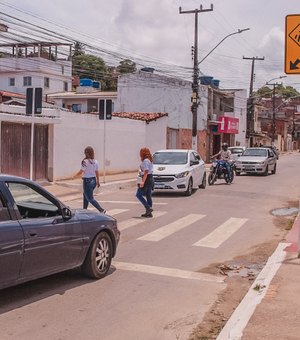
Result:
pixel 257 161
pixel 236 152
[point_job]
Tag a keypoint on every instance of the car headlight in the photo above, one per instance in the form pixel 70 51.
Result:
pixel 182 174
pixel 238 163
pixel 261 163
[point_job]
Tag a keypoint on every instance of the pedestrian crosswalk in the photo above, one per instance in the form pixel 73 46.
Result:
pixel 214 239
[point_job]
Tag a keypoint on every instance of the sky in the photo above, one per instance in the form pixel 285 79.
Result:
pixel 153 33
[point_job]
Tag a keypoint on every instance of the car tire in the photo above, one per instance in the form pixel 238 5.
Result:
pixel 274 170
pixel 99 257
pixel 203 184
pixel 237 173
pixel 266 171
pixel 189 189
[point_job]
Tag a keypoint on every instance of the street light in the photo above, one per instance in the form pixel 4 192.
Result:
pixel 273 101
pixel 227 36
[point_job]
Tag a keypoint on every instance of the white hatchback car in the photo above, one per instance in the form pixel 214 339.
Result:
pixel 178 170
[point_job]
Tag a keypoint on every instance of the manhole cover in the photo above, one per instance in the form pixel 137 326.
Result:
pixel 285 211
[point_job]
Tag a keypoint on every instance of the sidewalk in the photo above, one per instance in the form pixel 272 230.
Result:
pixel 273 311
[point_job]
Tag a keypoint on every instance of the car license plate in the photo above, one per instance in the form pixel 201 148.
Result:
pixel 159 186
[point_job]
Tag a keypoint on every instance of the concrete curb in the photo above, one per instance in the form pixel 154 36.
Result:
pixel 233 329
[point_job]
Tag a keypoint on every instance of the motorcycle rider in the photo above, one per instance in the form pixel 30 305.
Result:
pixel 225 155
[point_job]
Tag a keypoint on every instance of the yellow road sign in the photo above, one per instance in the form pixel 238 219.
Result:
pixel 292 44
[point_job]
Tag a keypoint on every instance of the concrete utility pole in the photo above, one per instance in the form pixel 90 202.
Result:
pixel 250 108
pixel 195 86
pixel 273 105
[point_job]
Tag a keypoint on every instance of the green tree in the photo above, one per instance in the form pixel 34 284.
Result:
pixel 78 49
pixel 89 66
pixel 267 92
pixel 126 66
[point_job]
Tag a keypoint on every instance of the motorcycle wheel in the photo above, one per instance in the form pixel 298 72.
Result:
pixel 212 178
pixel 232 176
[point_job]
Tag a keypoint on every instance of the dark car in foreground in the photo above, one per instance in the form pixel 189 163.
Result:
pixel 40 236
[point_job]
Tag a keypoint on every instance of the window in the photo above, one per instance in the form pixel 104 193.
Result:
pixel 31 204
pixel 47 82
pixel 4 214
pixel 26 81
pixel 11 81
pixel 76 107
pixel 65 86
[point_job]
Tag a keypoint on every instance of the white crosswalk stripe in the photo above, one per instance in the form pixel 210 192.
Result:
pixel 222 233
pixel 135 221
pixel 113 212
pixel 171 228
pixel 163 271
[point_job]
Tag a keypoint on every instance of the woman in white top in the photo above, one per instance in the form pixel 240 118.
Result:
pixel 90 178
pixel 145 187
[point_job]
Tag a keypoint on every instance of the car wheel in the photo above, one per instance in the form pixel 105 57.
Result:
pixel 99 256
pixel 237 173
pixel 189 189
pixel 274 170
pixel 203 184
pixel 266 171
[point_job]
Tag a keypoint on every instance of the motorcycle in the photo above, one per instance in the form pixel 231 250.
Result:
pixel 218 170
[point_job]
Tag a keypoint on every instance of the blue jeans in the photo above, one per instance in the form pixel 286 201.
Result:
pixel 147 192
pixel 228 168
pixel 89 184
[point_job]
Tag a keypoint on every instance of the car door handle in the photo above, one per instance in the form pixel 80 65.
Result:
pixel 33 234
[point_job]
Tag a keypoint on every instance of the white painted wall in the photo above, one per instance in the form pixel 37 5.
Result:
pixel 240 112
pixel 124 139
pixel 150 92
pixel 58 72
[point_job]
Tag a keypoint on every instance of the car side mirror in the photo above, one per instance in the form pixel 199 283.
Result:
pixel 66 213
pixel 194 162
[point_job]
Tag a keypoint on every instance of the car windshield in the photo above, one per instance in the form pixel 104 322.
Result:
pixel 171 158
pixel 256 152
pixel 236 150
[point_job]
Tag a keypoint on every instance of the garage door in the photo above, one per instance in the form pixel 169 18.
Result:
pixel 15 150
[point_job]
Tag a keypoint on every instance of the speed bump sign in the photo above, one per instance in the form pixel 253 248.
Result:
pixel 292 44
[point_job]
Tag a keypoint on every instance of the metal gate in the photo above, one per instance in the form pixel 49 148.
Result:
pixel 15 150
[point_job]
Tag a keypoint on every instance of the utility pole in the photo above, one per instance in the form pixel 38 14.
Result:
pixel 195 85
pixel 250 107
pixel 273 105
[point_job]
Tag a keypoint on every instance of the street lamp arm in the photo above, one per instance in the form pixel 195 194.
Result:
pixel 268 82
pixel 227 36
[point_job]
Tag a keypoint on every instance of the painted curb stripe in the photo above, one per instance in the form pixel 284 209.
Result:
pixel 233 330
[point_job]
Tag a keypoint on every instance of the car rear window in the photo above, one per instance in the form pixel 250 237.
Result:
pixel 236 150
pixel 256 152
pixel 171 158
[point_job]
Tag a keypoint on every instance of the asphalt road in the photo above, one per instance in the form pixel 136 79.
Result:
pixel 156 288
